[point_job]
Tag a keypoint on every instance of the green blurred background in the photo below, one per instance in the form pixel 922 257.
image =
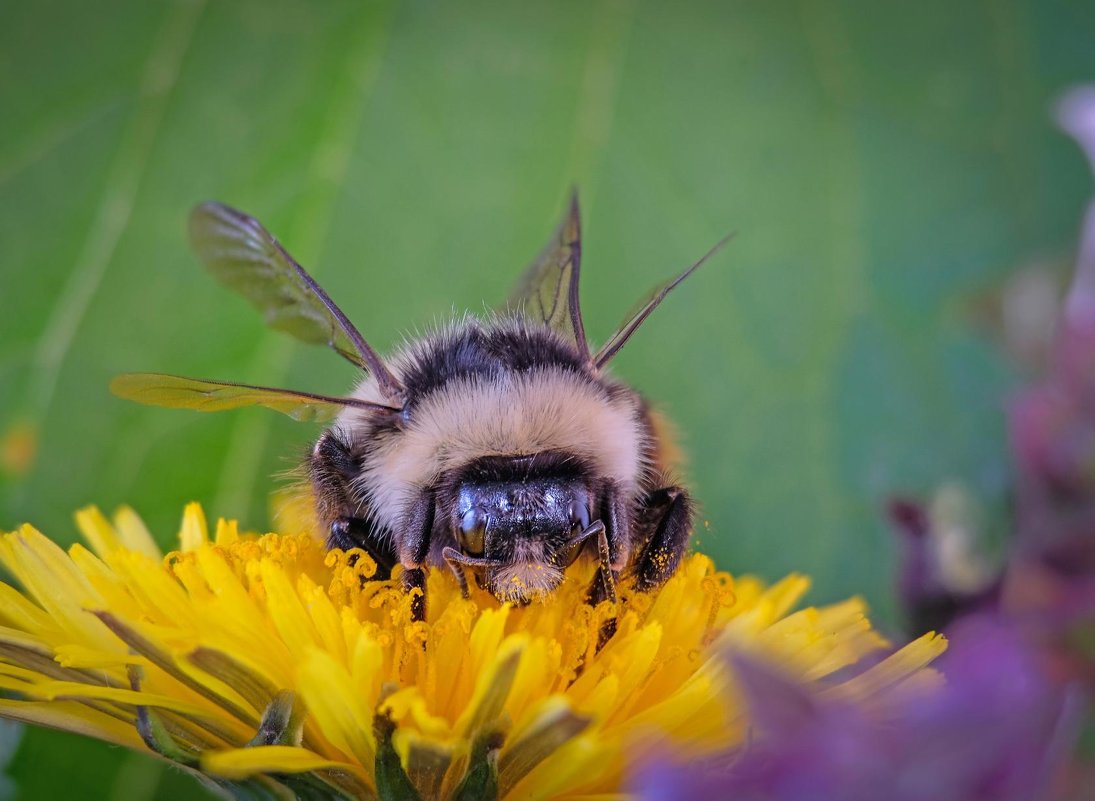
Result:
pixel 882 164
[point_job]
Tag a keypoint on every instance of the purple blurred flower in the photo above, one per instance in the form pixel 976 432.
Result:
pixel 996 731
pixel 928 592
pixel 1051 579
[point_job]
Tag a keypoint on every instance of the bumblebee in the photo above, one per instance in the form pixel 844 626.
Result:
pixel 497 448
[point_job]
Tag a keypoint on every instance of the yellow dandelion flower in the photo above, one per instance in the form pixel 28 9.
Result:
pixel 270 667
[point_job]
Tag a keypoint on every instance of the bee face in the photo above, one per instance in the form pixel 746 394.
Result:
pixel 496 448
pixel 518 520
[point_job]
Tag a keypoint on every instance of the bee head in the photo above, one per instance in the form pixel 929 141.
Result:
pixel 517 523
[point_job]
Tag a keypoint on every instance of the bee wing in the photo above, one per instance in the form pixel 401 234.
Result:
pixel 243 255
pixel 643 310
pixel 178 392
pixel 548 290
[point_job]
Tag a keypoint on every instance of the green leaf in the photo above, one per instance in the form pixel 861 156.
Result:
pixel 877 167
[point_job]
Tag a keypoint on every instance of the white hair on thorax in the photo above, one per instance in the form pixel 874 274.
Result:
pixel 545 409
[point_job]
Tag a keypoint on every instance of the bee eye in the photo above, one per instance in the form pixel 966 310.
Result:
pixel 473 525
pixel 579 516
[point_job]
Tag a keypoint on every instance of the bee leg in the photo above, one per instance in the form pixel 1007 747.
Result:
pixel 669 512
pixel 604 583
pixel 611 547
pixel 415 545
pixel 353 532
pixel 414 578
pixel 617 529
pixel 332 468
pixel 603 588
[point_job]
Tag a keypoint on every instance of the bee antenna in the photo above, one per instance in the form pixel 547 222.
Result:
pixel 624 332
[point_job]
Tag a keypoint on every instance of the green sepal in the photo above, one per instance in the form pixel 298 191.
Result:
pixel 392 782
pixel 307 787
pixel 480 782
pixel 249 789
pixel 278 787
pixel 156 736
pixel 281 723
pixel 154 731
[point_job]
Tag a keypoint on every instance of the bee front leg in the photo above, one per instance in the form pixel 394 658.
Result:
pixel 611 547
pixel 332 468
pixel 604 583
pixel 413 548
pixel 668 512
pixel 354 532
